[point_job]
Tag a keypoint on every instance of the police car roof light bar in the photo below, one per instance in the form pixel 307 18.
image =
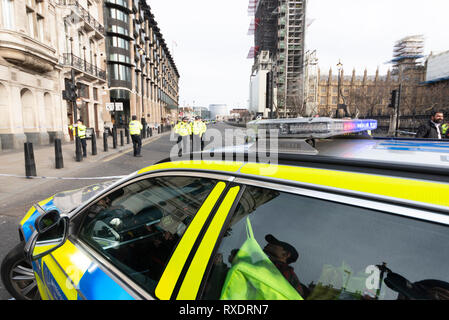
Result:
pixel 310 128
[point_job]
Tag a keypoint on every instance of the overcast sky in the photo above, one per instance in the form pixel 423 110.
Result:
pixel 209 42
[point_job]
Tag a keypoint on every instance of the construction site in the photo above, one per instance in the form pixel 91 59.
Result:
pixel 278 27
pixel 406 53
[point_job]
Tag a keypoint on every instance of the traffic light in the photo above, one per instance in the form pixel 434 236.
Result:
pixel 393 99
pixel 70 92
pixel 73 91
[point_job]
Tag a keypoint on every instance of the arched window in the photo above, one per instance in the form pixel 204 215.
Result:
pixel 28 114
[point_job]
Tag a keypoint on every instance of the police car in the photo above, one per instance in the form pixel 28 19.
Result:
pixel 325 212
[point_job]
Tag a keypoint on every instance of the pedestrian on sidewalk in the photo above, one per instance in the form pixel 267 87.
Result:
pixel 135 128
pixel 81 134
pixel 433 128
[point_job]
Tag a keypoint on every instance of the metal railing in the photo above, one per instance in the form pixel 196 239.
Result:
pixel 69 59
pixel 84 14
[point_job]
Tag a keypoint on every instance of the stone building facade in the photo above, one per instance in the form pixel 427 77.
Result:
pixel 141 71
pixel 115 50
pixel 30 89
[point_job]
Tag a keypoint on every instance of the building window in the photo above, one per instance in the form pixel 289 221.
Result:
pixel 83 90
pixel 8 14
pixel 119 58
pixel 40 28
pixel 120 72
pixel 30 16
pixel 323 101
pixel 118 15
pixel 118 29
pixel 119 43
pixel 334 100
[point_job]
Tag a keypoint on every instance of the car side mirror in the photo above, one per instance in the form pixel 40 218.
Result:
pixel 47 221
pixel 51 233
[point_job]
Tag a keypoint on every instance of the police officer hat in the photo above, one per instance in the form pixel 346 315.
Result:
pixel 286 246
pixel 185 119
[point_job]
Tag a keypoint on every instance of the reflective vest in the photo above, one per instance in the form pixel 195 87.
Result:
pixel 444 128
pixel 183 129
pixel 81 130
pixel 199 128
pixel 254 277
pixel 135 127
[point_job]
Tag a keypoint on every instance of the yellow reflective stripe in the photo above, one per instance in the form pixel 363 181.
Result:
pixel 409 189
pixel 32 209
pixel 171 273
pixel 41 287
pixel 192 280
pixel 196 164
pixel 69 269
pixel 72 261
pixel 61 279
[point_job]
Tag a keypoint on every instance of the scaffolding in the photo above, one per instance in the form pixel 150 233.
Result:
pixel 407 51
pixel 278 27
pixel 291 29
pixel 311 83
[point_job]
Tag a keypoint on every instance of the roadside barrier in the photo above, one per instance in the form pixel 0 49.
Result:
pixel 114 137
pixel 78 154
pixel 30 165
pixel 59 161
pixel 127 135
pixel 94 143
pixel 105 141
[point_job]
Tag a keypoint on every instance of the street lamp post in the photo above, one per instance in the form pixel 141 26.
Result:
pixel 339 94
pixel 339 68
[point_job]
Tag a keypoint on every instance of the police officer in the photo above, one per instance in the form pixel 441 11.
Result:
pixel 81 134
pixel 198 129
pixel 184 130
pixel 135 128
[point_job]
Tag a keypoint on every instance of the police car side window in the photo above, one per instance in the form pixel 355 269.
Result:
pixel 326 251
pixel 138 227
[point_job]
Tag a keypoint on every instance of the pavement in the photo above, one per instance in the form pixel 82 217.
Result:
pixel 12 164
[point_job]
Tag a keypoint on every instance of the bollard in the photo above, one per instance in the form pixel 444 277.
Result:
pixel 30 165
pixel 144 125
pixel 78 152
pixel 151 132
pixel 105 141
pixel 114 137
pixel 127 135
pixel 159 129
pixel 59 161
pixel 122 140
pixel 94 144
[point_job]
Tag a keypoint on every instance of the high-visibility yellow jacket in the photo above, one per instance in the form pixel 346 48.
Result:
pixel 81 130
pixel 199 128
pixel 135 127
pixel 183 129
pixel 444 128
